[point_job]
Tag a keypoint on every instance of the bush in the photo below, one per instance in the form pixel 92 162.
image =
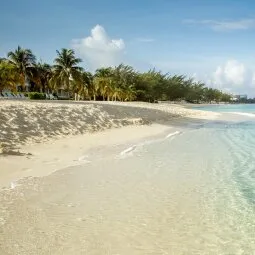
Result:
pixel 36 95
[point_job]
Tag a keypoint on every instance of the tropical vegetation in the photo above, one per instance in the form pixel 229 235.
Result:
pixel 20 71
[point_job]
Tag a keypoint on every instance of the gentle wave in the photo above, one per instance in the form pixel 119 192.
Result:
pixel 173 134
pixel 129 151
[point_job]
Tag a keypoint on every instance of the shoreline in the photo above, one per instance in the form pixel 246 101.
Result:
pixel 46 158
pixel 137 184
pixel 110 125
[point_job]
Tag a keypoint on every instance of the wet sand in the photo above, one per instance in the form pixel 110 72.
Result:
pixel 98 202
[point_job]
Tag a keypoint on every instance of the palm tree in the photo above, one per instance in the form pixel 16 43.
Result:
pixel 8 76
pixel 104 87
pixel 130 93
pixel 104 72
pixel 42 74
pixel 87 79
pixel 66 72
pixel 23 60
pixel 103 83
pixel 118 93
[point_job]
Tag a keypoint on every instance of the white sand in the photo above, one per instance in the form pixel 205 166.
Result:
pixel 179 110
pixel 24 124
pixel 55 155
pixel 107 203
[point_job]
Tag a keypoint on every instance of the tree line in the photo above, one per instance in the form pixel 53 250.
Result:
pixel 120 83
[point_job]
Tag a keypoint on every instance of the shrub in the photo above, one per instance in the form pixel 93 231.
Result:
pixel 36 95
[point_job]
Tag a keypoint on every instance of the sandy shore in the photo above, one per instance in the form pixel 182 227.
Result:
pixel 38 138
pixel 134 178
pixel 30 122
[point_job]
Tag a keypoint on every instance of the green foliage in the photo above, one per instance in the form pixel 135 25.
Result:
pixel 36 95
pixel 120 83
pixel 24 61
pixel 8 76
pixel 66 73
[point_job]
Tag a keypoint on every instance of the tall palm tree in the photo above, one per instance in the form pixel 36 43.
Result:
pixel 23 60
pixel 87 82
pixel 103 83
pixel 104 87
pixel 66 72
pixel 83 87
pixel 41 75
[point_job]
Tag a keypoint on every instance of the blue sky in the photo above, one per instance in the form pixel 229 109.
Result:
pixel 211 40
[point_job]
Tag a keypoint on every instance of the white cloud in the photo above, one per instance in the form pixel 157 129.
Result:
pixel 234 77
pixel 225 25
pixel 232 72
pixel 98 49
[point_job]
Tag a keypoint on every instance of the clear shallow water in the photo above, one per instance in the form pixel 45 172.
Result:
pixel 242 108
pixel 192 193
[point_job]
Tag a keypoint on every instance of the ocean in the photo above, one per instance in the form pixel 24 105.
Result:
pixel 188 192
pixel 231 108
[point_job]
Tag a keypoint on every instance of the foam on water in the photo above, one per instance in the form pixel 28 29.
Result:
pixel 128 150
pixel 173 134
pixel 131 149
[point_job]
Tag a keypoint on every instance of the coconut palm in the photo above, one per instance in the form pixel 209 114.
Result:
pixel 23 60
pixel 118 94
pixel 103 82
pixel 104 72
pixel 66 72
pixel 130 93
pixel 8 76
pixel 104 87
pixel 88 80
pixel 41 75
pixel 85 88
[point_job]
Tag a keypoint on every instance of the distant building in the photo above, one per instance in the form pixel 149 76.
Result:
pixel 243 97
pixel 239 97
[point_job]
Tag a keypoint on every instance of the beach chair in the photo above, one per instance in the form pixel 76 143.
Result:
pixel 10 95
pixel 15 96
pixel 22 96
pixel 52 97
pixel 5 95
pixel 1 96
pixel 18 96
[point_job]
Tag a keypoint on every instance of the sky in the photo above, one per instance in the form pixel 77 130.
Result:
pixel 209 40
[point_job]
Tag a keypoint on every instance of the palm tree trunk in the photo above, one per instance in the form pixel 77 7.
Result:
pixel 26 83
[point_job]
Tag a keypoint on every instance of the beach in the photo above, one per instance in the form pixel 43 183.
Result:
pixel 124 178
pixel 38 138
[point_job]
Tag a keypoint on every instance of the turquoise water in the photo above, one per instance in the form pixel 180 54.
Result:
pixel 245 108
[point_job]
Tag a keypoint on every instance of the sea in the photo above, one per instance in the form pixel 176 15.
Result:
pixel 191 191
